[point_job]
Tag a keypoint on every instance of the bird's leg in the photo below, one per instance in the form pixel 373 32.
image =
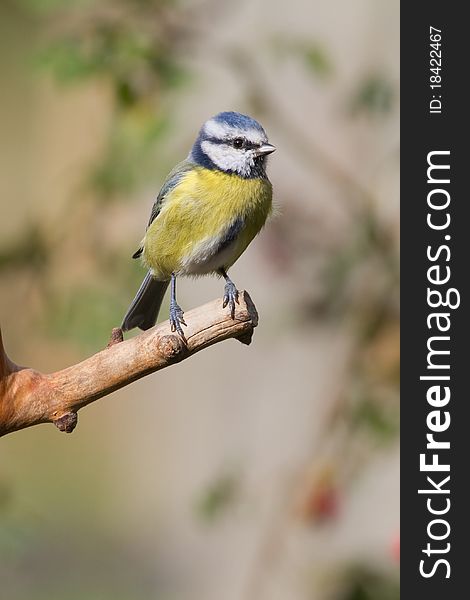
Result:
pixel 230 293
pixel 176 313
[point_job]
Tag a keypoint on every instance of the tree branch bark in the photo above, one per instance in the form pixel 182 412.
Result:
pixel 28 397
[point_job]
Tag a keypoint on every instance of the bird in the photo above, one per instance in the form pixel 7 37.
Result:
pixel 209 209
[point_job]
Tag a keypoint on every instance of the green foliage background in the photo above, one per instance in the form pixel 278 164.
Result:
pixel 131 73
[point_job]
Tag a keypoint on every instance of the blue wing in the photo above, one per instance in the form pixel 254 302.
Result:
pixel 174 177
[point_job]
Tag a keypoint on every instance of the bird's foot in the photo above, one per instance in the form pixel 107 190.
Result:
pixel 230 297
pixel 176 318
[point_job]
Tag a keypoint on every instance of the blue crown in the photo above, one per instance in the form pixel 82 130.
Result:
pixel 238 120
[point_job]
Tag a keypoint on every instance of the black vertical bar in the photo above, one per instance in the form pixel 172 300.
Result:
pixel 422 132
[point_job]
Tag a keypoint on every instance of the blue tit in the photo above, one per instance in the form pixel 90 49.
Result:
pixel 209 209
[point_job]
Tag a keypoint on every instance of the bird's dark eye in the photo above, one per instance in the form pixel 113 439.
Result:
pixel 238 142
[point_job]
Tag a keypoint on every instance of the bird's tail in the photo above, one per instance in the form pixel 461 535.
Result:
pixel 143 311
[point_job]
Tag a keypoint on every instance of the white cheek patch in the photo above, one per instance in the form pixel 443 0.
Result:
pixel 228 158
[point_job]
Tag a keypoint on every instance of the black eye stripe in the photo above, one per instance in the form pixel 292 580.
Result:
pixel 229 142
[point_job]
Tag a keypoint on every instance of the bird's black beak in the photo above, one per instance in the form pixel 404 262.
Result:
pixel 264 150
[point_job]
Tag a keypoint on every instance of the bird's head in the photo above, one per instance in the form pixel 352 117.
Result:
pixel 233 143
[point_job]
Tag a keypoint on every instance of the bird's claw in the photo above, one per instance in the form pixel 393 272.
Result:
pixel 176 319
pixel 230 297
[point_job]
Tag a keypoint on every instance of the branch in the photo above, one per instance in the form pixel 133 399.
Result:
pixel 28 397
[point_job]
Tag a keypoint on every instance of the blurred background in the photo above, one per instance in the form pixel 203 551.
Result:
pixel 267 472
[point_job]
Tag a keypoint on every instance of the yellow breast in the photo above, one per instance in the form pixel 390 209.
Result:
pixel 198 211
